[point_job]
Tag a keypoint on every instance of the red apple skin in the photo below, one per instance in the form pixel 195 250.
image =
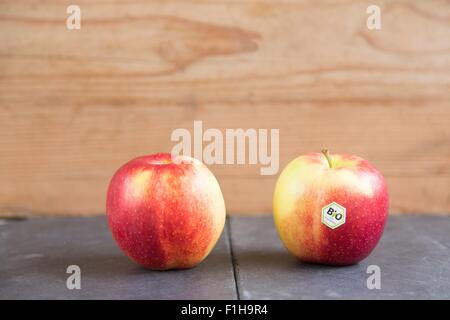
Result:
pixel 307 184
pixel 165 215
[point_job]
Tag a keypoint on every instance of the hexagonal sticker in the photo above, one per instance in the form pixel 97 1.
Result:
pixel 333 215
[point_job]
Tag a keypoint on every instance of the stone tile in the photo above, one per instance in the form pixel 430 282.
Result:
pixel 35 253
pixel 413 254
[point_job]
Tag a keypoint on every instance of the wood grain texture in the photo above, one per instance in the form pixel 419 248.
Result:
pixel 75 105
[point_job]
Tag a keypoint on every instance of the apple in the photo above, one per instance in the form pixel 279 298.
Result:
pixel 165 213
pixel 330 209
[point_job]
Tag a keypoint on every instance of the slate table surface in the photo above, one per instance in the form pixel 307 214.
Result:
pixel 249 262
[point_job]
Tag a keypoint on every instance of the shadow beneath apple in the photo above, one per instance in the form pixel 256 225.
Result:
pixel 277 261
pixel 111 265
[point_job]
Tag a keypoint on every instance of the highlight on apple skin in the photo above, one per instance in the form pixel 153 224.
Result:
pixel 165 214
pixel 330 209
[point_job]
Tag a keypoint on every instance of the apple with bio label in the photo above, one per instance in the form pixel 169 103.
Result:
pixel 165 213
pixel 330 208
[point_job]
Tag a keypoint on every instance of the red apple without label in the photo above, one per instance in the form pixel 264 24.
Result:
pixel 330 209
pixel 165 214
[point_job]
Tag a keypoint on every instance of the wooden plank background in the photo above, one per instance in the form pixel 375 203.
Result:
pixel 74 105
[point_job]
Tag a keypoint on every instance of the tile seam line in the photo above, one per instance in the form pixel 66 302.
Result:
pixel 233 260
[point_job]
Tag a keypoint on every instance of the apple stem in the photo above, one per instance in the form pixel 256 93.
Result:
pixel 327 156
